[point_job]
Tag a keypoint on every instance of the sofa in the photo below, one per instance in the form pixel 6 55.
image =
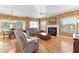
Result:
pixel 33 31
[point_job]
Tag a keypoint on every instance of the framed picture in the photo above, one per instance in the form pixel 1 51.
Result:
pixel 53 20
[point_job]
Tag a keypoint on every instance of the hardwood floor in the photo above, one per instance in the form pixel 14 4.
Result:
pixel 48 46
pixel 7 45
pixel 58 44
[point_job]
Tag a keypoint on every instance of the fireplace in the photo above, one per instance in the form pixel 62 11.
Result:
pixel 52 31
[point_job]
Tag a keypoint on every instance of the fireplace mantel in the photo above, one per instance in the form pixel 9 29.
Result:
pixel 53 26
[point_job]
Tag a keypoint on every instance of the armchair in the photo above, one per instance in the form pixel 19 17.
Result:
pixel 27 45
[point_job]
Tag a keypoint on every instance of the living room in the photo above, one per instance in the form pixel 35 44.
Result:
pixel 51 28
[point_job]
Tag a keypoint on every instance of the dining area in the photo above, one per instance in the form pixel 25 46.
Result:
pixel 9 33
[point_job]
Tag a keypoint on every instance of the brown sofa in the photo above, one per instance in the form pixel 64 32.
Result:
pixel 33 31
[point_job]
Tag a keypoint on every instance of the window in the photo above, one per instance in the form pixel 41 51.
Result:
pixel 6 25
pixel 17 25
pixel 34 24
pixel 43 25
pixel 68 25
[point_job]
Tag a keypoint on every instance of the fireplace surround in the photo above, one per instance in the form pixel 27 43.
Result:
pixel 53 30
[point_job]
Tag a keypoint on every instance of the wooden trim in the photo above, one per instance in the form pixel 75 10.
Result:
pixel 12 17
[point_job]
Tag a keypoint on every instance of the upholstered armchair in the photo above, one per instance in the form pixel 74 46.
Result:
pixel 27 44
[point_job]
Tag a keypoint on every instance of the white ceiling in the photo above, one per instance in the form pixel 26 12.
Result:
pixel 35 10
